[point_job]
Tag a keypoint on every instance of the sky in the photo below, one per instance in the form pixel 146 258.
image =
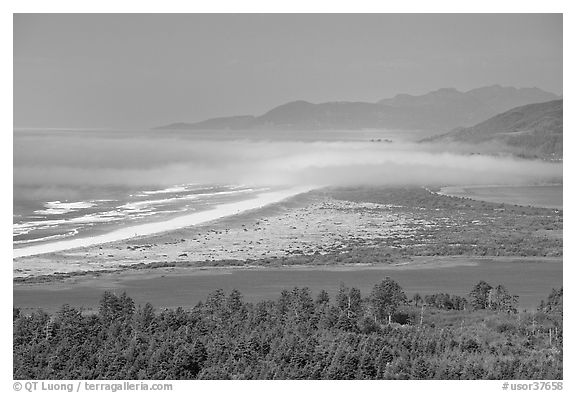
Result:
pixel 134 71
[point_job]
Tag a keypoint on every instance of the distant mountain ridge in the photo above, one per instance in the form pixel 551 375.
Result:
pixel 439 110
pixel 534 129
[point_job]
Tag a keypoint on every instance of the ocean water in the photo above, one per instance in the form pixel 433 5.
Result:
pixel 72 184
pixel 58 220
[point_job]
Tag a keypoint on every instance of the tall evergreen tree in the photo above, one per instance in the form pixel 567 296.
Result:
pixel 480 296
pixel 385 298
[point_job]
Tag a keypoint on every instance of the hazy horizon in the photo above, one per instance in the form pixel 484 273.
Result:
pixel 144 70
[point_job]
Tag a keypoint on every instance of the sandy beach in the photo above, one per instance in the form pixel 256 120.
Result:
pixel 152 228
pixel 284 224
pixel 300 224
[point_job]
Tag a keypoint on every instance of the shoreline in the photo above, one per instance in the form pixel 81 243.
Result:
pixel 322 226
pixel 155 228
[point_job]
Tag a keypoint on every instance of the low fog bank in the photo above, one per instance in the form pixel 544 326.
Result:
pixel 72 167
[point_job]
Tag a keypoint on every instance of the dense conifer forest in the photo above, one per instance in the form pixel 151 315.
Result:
pixel 379 335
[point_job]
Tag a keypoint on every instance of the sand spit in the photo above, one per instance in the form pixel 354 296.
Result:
pixel 309 224
pixel 152 228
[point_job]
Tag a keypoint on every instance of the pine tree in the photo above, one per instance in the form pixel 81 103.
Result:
pixel 480 296
pixel 501 300
pixel 385 299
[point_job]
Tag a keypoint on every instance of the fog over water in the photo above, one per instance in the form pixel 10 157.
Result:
pixel 89 179
pixel 62 164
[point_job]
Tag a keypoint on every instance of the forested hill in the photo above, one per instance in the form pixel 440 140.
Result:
pixel 380 336
pixel 439 110
pixel 534 129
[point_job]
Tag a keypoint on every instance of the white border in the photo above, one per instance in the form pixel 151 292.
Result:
pixel 261 6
